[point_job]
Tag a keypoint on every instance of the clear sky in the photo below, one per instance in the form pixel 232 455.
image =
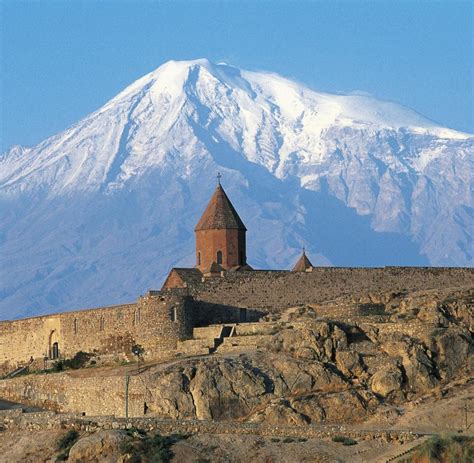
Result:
pixel 61 60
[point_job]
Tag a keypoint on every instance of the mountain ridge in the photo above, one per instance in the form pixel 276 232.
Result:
pixel 309 166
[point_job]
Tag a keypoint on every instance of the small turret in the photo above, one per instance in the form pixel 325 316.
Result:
pixel 303 264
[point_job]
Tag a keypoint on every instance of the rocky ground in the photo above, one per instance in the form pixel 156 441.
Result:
pixel 386 361
pixel 345 362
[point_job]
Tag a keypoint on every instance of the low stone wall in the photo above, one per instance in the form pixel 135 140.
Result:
pixel 250 329
pixel 207 332
pixel 71 393
pixel 16 419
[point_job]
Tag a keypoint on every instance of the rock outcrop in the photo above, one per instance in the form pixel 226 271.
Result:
pixel 320 367
pixel 335 363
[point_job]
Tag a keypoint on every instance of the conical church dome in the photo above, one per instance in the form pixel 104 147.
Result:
pixel 220 214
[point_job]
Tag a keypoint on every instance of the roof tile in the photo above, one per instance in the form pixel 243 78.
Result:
pixel 220 214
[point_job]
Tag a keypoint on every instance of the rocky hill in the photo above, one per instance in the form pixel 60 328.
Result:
pixel 371 368
pixel 360 182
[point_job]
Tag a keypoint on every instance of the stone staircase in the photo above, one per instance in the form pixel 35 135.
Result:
pixel 227 338
pixel 205 340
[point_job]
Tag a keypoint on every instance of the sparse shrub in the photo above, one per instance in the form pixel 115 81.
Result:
pixel 63 456
pixel 126 446
pixel 68 439
pixel 287 440
pixel 344 440
pixel 79 360
pixel 338 439
pixel 444 449
pixel 135 432
pixel 349 441
pixel 153 449
pixel 275 439
pixel 371 309
pixel 58 366
pixel 302 439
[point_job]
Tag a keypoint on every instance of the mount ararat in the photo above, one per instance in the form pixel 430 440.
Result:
pixel 100 212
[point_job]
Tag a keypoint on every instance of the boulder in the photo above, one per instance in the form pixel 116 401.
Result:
pixel 279 412
pixel 386 381
pixel 349 362
pixel 102 446
pixel 309 407
pixel 344 407
pixel 319 340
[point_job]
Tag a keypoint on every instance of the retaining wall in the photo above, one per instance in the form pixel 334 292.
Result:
pixel 15 419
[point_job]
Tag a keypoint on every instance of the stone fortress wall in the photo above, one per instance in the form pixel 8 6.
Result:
pixel 273 291
pixel 21 339
pixel 155 322
pixel 158 320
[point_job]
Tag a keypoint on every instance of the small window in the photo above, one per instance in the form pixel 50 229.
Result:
pixel 174 314
pixel 199 258
pixel 75 326
pixel 219 257
pixel 137 316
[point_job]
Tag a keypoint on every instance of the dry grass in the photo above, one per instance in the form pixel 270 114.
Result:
pixel 444 449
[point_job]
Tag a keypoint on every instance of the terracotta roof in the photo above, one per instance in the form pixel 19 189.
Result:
pixel 303 264
pixel 188 275
pixel 220 214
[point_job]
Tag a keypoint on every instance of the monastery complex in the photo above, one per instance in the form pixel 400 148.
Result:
pixel 221 291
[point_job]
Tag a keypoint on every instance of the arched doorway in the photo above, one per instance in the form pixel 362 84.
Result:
pixel 55 351
pixel 53 345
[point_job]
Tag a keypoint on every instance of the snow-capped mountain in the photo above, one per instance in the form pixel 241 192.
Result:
pixel 100 212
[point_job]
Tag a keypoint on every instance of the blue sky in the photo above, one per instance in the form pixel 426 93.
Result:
pixel 61 60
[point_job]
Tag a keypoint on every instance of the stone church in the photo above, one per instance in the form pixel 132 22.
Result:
pixel 220 245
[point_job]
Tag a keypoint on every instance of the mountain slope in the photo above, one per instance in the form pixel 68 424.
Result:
pixel 98 213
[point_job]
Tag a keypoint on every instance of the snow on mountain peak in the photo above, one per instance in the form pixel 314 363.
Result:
pixel 114 198
pixel 162 117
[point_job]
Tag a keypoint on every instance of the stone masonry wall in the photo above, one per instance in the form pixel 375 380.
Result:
pixel 22 339
pixel 156 322
pixel 277 290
